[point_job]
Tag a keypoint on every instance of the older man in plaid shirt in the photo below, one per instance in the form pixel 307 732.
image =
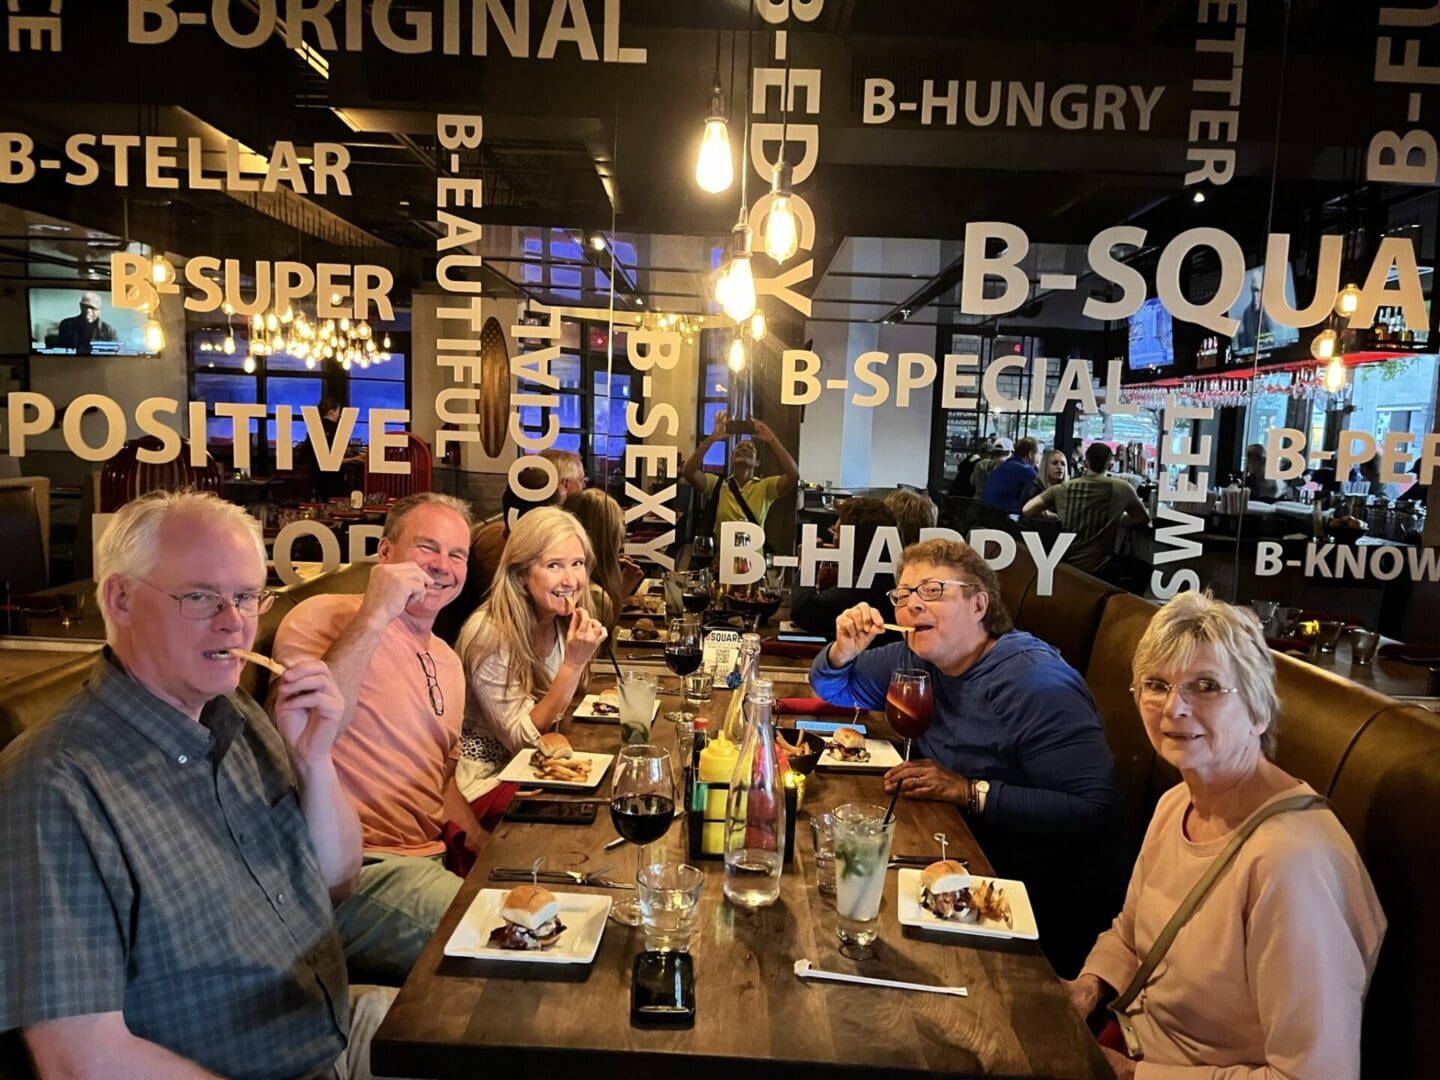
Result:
pixel 169 855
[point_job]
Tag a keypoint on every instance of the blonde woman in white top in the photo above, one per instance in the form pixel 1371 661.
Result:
pixel 527 649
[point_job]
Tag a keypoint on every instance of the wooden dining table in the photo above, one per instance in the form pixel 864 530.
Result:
pixel 465 1017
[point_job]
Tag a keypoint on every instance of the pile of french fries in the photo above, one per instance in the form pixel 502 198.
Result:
pixel 990 902
pixel 570 770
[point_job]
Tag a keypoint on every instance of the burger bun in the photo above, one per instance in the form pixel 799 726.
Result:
pixel 530 906
pixel 553 745
pixel 848 738
pixel 945 876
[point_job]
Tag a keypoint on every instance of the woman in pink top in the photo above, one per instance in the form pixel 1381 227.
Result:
pixel 1268 976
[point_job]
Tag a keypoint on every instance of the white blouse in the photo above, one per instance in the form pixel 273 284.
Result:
pixel 497 715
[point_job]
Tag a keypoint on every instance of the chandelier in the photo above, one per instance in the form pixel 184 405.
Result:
pixel 349 342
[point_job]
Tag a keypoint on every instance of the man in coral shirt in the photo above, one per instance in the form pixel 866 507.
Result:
pixel 404 694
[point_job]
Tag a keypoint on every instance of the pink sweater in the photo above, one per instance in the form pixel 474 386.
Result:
pixel 1268 977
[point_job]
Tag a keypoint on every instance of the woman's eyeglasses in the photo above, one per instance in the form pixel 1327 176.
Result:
pixel 928 591
pixel 432 684
pixel 1201 691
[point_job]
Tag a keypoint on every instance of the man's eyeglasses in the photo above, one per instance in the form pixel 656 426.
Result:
pixel 1201 691
pixel 432 684
pixel 201 605
pixel 928 591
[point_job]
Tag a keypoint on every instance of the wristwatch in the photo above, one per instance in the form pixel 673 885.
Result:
pixel 975 805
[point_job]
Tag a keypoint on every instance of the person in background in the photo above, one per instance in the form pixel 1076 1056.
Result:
pixel 404 695
pixel 1090 506
pixel 527 650
pixel 1017 744
pixel 169 854
pixel 913 511
pixel 325 484
pixel 1370 474
pixel 742 496
pixel 963 486
pixel 1007 483
pixel 1000 448
pixel 80 332
pixel 615 575
pixel 1260 487
pixel 1268 976
pixel 816 608
pixel 569 471
pixel 1054 469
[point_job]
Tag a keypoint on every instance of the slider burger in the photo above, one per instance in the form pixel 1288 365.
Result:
pixel 847 744
pixel 532 920
pixel 607 703
pixel 945 891
pixel 552 746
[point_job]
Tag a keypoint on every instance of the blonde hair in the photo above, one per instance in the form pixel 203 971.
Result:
pixel 507 618
pixel 568 464
pixel 130 546
pixel 966 561
pixel 1045 459
pixel 913 511
pixel 1193 620
pixel 604 522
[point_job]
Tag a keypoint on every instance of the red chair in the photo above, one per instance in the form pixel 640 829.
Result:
pixel 397 485
pixel 126 477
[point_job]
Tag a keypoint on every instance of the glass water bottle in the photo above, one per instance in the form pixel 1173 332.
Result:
pixel 755 809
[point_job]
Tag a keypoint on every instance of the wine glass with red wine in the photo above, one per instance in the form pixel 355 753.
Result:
pixel 642 806
pixel 910 704
pixel 695 597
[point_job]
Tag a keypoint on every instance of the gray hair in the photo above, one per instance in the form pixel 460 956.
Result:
pixel 395 519
pixel 1193 620
pixel 130 546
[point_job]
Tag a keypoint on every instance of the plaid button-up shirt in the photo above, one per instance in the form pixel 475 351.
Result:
pixel 161 868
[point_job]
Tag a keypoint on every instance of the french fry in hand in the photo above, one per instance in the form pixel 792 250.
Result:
pixel 255 658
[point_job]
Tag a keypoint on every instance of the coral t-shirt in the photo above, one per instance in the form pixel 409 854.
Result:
pixel 398 755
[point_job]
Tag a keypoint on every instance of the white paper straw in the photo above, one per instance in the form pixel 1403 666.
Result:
pixel 805 971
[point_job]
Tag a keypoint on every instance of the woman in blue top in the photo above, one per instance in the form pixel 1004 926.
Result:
pixel 1016 743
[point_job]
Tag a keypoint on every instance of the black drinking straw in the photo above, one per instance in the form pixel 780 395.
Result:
pixel 890 813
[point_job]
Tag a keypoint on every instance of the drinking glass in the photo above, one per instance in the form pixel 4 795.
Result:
pixel 862 851
pixel 684 746
pixel 822 831
pixel 682 646
pixel 642 806
pixel 1363 645
pixel 637 707
pixel 910 704
pixel 71 605
pixel 699 685
pixel 1266 609
pixel 669 904
pixel 695 592
pixel 1330 631
pixel 702 550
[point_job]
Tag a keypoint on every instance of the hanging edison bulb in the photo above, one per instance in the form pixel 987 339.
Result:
pixel 228 308
pixel 782 235
pixel 736 287
pixel 736 357
pixel 154 335
pixel 249 365
pixel 228 345
pixel 1322 346
pixel 310 363
pixel 258 322
pixel 757 324
pixel 1347 300
pixel 714 166
pixel 161 272
pixel 288 314
pixel 271 322
pixel 1334 378
pixel 385 344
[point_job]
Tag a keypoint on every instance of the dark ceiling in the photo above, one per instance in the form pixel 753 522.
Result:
pixel 587 146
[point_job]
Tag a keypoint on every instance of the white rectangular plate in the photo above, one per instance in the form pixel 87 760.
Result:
pixel 586 711
pixel 520 772
pixel 912 914
pixel 882 756
pixel 583 914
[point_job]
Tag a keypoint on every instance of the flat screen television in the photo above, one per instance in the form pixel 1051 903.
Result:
pixel 1255 322
pixel 1152 337
pixel 83 322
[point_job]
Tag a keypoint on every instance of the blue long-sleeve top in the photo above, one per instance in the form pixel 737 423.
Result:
pixel 1021 718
